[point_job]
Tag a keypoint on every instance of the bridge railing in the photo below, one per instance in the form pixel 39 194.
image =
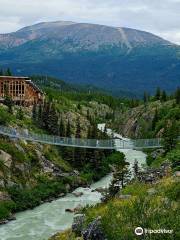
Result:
pixel 56 140
pixel 80 142
pixel 147 143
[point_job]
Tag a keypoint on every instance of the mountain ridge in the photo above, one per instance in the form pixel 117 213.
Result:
pixel 123 58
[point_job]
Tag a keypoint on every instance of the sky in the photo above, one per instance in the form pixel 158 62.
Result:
pixel 161 17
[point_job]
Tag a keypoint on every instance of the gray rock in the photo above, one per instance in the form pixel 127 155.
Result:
pixel 20 167
pixel 177 174
pixel 77 194
pixel 78 222
pixel 11 184
pixel 100 190
pixel 4 196
pixel 121 196
pixel 94 231
pixel 19 148
pixel 2 184
pixel 76 172
pixel 152 191
pixel 68 187
pixel 5 158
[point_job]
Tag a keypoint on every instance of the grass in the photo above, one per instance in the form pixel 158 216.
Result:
pixel 161 210
pixel 65 235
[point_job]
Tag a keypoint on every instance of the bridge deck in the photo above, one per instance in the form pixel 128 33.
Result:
pixel 83 143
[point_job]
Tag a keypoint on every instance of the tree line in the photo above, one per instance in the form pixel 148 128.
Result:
pixel 5 72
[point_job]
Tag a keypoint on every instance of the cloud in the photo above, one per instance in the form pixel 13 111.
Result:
pixel 160 17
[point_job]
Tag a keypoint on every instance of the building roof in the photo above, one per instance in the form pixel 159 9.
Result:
pixel 27 79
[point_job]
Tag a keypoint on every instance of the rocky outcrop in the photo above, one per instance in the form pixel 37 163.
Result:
pixel 137 122
pixel 78 223
pixel 6 158
pixel 94 231
pixel 152 175
pixel 4 196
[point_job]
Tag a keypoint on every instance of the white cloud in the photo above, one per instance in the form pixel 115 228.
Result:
pixel 160 16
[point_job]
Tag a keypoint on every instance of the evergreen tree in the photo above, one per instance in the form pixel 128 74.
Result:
pixel 177 95
pixel 170 135
pixel 8 72
pixel 121 176
pixel 9 103
pixel 158 94
pixel 78 129
pixel 164 96
pixel 34 112
pixel 136 168
pixel 1 72
pixel 155 120
pixel 45 115
pixel 145 98
pixel 68 129
pixel 62 131
pixel 53 120
pixel 20 114
pixel 40 113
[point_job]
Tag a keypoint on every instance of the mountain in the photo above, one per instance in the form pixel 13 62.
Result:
pixel 108 57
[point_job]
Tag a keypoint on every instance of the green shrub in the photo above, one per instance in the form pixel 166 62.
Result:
pixel 6 207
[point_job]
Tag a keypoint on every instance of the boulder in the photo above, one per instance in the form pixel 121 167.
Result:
pixel 68 187
pixel 121 196
pixel 177 174
pixel 2 184
pixel 77 194
pixel 71 210
pixel 94 231
pixel 62 194
pixel 20 167
pixel 6 158
pixel 11 217
pixel 4 196
pixel 152 191
pixel 100 190
pixel 19 148
pixel 76 172
pixel 77 208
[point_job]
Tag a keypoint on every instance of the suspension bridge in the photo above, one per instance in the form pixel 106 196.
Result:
pixel 116 143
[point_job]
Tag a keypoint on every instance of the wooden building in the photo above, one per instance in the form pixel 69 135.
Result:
pixel 21 89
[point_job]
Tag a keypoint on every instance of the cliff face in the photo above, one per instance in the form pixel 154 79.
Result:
pixel 138 122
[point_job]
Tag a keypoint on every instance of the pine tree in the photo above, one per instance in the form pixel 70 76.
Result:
pixel 121 177
pixel 164 96
pixel 177 95
pixel 9 103
pixel 145 98
pixel 68 129
pixel 136 168
pixel 34 112
pixel 170 135
pixel 39 113
pixel 62 131
pixel 8 72
pixel 20 114
pixel 78 129
pixel 158 94
pixel 53 120
pixel 155 120
pixel 1 72
pixel 45 115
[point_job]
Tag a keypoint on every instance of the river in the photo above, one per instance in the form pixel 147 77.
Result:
pixel 49 218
